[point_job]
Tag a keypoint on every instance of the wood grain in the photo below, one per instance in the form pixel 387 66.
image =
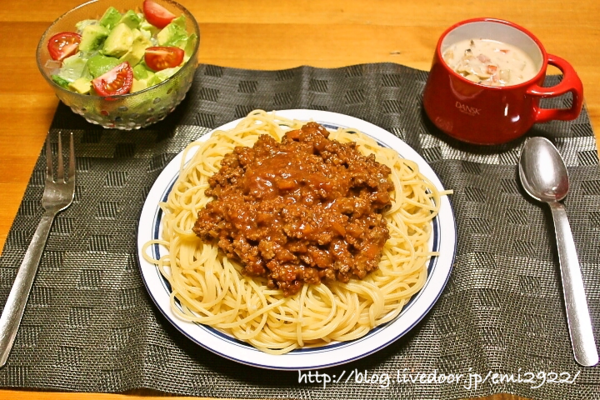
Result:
pixel 261 34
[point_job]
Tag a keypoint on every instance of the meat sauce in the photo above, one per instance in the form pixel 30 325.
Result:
pixel 304 210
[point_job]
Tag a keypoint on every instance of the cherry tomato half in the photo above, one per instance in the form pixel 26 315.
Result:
pixel 63 45
pixel 114 82
pixel 161 57
pixel 156 14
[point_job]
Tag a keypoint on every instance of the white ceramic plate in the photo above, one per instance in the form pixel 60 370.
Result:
pixel 443 240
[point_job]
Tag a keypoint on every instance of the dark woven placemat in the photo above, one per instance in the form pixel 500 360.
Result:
pixel 91 326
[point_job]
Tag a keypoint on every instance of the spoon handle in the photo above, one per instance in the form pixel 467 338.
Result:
pixel 578 315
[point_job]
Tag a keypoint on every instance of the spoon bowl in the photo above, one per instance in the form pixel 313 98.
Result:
pixel 544 177
pixel 542 171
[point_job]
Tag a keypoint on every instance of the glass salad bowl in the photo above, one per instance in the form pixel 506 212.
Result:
pixel 153 94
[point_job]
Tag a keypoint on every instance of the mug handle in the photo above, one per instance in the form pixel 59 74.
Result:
pixel 570 83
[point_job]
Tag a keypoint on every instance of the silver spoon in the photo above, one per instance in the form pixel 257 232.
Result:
pixel 544 177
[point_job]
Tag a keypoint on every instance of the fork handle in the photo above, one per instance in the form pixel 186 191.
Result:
pixel 19 293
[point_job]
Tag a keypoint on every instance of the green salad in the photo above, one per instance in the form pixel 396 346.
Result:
pixel 121 52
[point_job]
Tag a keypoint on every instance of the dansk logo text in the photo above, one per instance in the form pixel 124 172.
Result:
pixel 472 111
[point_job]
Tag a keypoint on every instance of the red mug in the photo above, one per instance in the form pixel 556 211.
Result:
pixel 481 114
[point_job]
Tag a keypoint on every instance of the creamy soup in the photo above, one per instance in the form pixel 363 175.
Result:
pixel 490 62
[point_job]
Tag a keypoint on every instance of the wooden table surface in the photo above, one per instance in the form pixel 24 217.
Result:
pixel 268 35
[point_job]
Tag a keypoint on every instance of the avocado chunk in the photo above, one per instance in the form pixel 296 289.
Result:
pixel 92 37
pixel 173 34
pixel 131 19
pixel 81 85
pixel 119 41
pixel 99 64
pixel 138 48
pixel 111 18
pixel 140 72
pixel 143 77
pixel 165 74
pixel 138 85
pixel 141 84
pixel 60 81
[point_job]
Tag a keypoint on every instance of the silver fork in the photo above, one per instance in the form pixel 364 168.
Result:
pixel 58 195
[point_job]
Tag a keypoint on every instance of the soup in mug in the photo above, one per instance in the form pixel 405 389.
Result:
pixel 490 62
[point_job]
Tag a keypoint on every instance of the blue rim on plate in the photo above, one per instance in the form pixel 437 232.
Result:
pixel 439 268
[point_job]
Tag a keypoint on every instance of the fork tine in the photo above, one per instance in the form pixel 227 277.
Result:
pixel 71 159
pixel 48 159
pixel 60 171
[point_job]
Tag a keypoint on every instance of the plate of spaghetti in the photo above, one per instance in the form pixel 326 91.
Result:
pixel 296 239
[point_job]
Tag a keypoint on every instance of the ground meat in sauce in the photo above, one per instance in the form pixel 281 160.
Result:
pixel 301 211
